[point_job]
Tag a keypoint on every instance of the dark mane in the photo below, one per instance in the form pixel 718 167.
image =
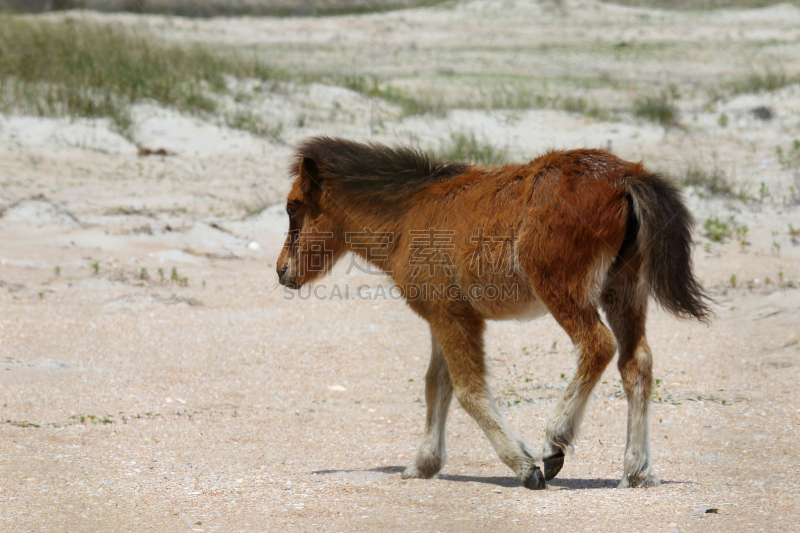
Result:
pixel 372 170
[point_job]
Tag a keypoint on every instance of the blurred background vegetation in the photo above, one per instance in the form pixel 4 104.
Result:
pixel 213 8
pixel 282 8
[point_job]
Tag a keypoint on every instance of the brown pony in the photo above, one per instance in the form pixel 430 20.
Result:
pixel 569 232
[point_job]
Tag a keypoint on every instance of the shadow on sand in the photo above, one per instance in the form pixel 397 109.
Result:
pixel 500 481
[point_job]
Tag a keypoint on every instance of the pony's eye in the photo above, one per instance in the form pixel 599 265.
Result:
pixel 291 211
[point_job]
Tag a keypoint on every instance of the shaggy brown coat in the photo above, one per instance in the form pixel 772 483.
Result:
pixel 567 233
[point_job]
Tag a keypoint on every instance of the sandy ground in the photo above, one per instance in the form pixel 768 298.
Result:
pixel 133 402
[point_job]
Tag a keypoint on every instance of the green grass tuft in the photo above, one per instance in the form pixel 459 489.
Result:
pixel 658 108
pixel 410 105
pixel 506 97
pixel 227 8
pixel 768 80
pixel 244 119
pixel 85 69
pixel 467 147
pixel 791 157
pixel 714 181
pixel 701 5
pixel 717 230
pixel 512 96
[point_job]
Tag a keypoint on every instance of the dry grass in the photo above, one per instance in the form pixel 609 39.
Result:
pixel 789 158
pixel 430 104
pixel 768 78
pixel 701 4
pixel 217 8
pixel 502 96
pixel 712 180
pixel 83 69
pixel 468 147
pixel 658 108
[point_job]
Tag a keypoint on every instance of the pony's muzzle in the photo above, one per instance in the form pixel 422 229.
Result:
pixel 282 273
pixel 285 279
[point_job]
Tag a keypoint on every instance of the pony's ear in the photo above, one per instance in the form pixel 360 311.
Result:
pixel 309 177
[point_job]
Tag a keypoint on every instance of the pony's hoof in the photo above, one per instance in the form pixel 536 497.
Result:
pixel 422 470
pixel 535 480
pixel 412 472
pixel 642 482
pixel 553 464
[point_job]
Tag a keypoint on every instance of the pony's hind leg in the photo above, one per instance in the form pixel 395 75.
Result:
pixel 438 393
pixel 462 344
pixel 625 304
pixel 596 347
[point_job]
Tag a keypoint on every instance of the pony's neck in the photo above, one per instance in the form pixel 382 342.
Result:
pixel 369 230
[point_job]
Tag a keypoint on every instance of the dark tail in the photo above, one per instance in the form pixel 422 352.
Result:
pixel 663 227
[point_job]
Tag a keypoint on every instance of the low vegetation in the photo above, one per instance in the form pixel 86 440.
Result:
pixel 258 201
pixel 512 96
pixel 717 230
pixel 83 69
pixel 502 96
pixel 712 180
pixel 183 281
pixel 410 105
pixel 467 147
pixel 791 157
pixel 219 8
pixel 518 96
pixel 245 119
pixel 755 81
pixel 700 4
pixel 658 108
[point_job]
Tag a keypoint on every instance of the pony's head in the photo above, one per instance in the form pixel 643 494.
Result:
pixel 369 180
pixel 314 242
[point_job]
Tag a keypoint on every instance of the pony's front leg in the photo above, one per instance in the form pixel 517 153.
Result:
pixel 462 344
pixel 438 393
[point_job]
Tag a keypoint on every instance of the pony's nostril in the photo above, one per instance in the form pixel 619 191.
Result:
pixel 282 272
